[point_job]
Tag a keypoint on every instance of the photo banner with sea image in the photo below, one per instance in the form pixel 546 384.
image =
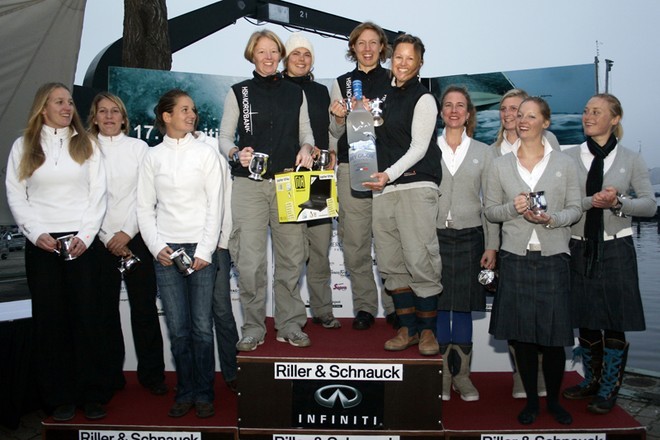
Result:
pixel 567 89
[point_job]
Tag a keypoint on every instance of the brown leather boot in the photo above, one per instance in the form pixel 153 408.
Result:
pixel 401 341
pixel 428 344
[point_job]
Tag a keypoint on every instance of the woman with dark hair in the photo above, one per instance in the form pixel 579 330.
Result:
pixel 298 65
pixel 532 305
pixel 405 204
pixel 368 48
pixel 179 209
pixel 605 286
pixel 272 119
pixel 468 242
pixel 56 188
pixel 122 158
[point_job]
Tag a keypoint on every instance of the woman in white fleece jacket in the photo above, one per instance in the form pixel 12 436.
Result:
pixel 179 206
pixel 55 187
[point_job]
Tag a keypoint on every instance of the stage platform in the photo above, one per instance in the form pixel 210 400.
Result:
pixel 277 384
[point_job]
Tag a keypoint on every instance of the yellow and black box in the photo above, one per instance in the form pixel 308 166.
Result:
pixel 306 195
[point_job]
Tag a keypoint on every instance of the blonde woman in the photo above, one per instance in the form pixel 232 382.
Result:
pixel 56 187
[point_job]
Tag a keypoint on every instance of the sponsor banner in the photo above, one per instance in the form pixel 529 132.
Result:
pixel 553 436
pixel 341 371
pixel 337 405
pixel 98 434
pixel 334 437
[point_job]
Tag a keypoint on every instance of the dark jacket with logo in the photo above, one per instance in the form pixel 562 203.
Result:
pixel 393 138
pixel 318 102
pixel 269 113
pixel 375 84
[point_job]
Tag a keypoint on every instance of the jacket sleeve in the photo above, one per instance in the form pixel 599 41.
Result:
pixel 644 204
pixel 96 198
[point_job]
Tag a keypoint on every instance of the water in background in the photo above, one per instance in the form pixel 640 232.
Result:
pixel 567 127
pixel 644 348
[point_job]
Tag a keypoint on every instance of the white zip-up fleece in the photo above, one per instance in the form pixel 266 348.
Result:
pixel 61 195
pixel 180 195
pixel 122 158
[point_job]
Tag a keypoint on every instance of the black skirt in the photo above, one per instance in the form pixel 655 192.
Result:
pixel 611 300
pixel 461 251
pixel 532 302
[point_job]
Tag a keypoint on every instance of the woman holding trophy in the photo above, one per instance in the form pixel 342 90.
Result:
pixel 265 128
pixel 467 241
pixel 604 282
pixel 405 204
pixel 124 249
pixel 56 192
pixel 368 48
pixel 179 210
pixel 534 193
pixel 298 65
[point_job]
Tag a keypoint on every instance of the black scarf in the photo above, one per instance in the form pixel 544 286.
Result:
pixel 593 226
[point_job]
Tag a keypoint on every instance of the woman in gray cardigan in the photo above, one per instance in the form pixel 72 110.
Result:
pixel 604 283
pixel 532 305
pixel 467 241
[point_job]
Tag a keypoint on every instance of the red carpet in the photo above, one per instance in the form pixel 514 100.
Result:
pixel 134 407
pixel 497 410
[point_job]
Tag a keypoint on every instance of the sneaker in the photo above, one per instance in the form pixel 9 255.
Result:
pixel 248 343
pixel 180 409
pixel 297 338
pixel 204 410
pixel 94 411
pixel 327 321
pixel 64 413
pixel 363 320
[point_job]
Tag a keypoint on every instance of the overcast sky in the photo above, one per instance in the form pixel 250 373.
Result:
pixel 461 37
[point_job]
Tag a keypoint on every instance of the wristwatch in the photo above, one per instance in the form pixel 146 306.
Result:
pixel 235 157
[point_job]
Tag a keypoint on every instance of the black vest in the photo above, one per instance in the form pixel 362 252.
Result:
pixel 268 121
pixel 375 84
pixel 318 103
pixel 394 136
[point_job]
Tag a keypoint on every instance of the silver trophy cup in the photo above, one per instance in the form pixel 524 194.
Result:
pixel 65 243
pixel 258 166
pixel 127 264
pixel 377 112
pixel 488 279
pixel 536 202
pixel 323 160
pixel 617 211
pixel 182 261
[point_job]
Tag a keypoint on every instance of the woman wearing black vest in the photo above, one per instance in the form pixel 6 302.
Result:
pixel 405 203
pixel 368 47
pixel 298 65
pixel 268 115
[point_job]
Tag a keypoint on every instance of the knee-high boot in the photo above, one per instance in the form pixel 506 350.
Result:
pixel 427 315
pixel 592 359
pixel 445 349
pixel 614 365
pixel 407 335
pixel 461 372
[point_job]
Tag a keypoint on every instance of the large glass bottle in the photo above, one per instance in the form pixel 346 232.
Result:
pixel 361 137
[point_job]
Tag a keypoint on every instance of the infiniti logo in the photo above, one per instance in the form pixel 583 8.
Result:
pixel 328 396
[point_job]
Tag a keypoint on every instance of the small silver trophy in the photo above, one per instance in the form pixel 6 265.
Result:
pixel 536 202
pixel 323 160
pixel 488 279
pixel 65 243
pixel 377 112
pixel 127 264
pixel 182 261
pixel 617 211
pixel 258 166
